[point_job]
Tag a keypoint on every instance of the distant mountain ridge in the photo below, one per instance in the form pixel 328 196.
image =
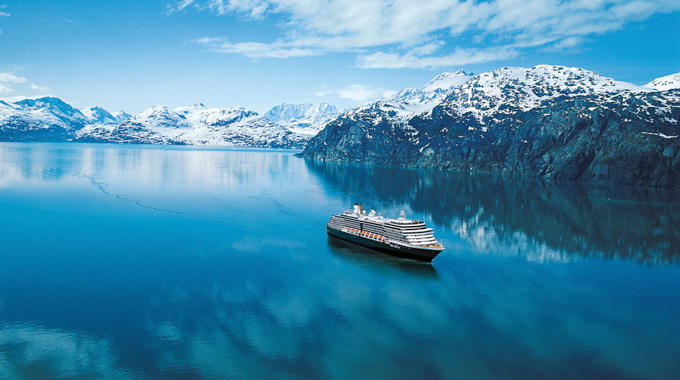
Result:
pixel 98 115
pixel 45 119
pixel 196 125
pixel 550 121
pixel 51 119
pixel 306 118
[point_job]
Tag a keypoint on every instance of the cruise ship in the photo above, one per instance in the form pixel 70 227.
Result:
pixel 400 237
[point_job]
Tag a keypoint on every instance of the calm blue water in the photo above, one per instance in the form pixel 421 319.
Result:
pixel 148 262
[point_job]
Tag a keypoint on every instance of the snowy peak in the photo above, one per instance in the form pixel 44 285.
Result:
pixel 98 115
pixel 54 106
pixel 527 88
pixel 121 116
pixel 160 117
pixel 302 118
pixel 412 101
pixel 549 80
pixel 321 110
pixel 286 113
pixel 447 81
pixel 198 114
pixel 4 104
pixel 191 110
pixel 669 82
pixel 45 112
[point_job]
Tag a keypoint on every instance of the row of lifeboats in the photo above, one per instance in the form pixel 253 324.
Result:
pixel 372 235
pixel 365 234
pixel 436 246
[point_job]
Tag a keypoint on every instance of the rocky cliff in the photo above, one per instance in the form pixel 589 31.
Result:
pixel 545 121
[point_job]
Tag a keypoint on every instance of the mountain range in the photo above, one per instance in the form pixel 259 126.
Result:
pixel 51 119
pixel 549 121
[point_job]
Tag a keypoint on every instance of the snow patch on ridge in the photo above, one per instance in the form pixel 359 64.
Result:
pixel 526 88
pixel 668 82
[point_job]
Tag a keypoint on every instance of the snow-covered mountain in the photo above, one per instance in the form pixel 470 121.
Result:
pixel 197 125
pixel 412 101
pixel 54 107
pixel 669 82
pixel 526 88
pixel 448 81
pixel 159 117
pixel 121 116
pixel 306 118
pixel 553 121
pixel 236 126
pixel 98 115
pixel 44 119
pixel 51 119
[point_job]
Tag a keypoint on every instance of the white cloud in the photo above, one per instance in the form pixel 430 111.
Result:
pixel 11 78
pixel 251 8
pixel 5 89
pixel 358 93
pixel 257 49
pixel 4 14
pixel 20 89
pixel 323 93
pixel 179 6
pixel 410 33
pixel 42 89
pixel 460 57
pixel 569 43
pixel 207 40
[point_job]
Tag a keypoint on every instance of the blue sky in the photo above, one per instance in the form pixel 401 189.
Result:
pixel 131 55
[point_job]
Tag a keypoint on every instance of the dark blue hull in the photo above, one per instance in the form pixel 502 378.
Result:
pixel 409 253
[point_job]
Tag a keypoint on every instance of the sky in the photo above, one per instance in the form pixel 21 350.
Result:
pixel 131 55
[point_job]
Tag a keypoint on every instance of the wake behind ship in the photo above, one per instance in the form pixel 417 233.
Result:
pixel 400 237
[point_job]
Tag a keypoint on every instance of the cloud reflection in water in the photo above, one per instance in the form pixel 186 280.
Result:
pixel 31 351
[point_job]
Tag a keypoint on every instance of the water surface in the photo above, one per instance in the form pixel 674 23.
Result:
pixel 151 262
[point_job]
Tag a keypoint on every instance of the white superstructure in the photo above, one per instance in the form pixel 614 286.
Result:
pixel 396 233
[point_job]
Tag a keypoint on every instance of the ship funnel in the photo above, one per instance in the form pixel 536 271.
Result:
pixel 358 208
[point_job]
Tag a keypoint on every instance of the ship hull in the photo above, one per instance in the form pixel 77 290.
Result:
pixel 405 252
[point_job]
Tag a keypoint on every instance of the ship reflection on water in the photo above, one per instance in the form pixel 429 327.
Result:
pixel 378 261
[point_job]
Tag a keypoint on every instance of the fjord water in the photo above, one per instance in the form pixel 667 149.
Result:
pixel 151 262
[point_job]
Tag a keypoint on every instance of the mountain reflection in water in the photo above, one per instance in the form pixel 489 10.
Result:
pixel 537 218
